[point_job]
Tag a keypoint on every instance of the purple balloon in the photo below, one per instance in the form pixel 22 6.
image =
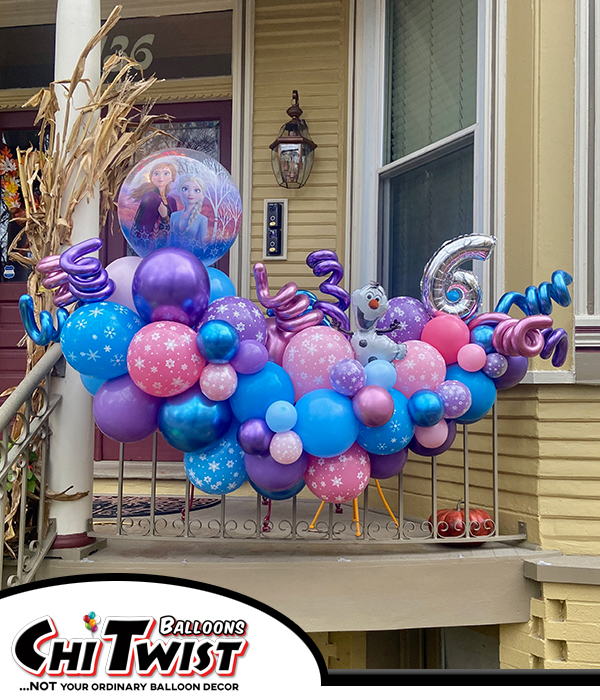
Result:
pixel 517 367
pixel 171 284
pixel 386 466
pixel 456 397
pixel 254 436
pixel 251 357
pixel 495 365
pixel 410 314
pixel 415 446
pixel 242 314
pixel 124 412
pixel 348 377
pixel 268 474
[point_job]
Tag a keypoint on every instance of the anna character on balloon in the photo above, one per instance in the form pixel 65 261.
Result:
pixel 189 226
pixel 151 225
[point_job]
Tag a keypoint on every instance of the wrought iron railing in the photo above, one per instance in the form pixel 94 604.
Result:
pixel 28 534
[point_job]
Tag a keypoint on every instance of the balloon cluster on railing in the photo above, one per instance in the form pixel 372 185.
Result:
pixel 294 398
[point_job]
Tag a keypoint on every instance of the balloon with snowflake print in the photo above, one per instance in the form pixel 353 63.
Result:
pixel 456 398
pixel 218 382
pixel 410 317
pixel 96 337
pixel 347 377
pixel 339 479
pixel 423 367
pixel 394 435
pixel 311 355
pixel 220 469
pixel 163 359
pixel 242 314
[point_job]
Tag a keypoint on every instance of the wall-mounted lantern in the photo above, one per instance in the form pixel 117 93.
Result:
pixel 292 152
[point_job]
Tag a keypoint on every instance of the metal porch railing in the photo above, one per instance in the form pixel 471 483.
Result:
pixel 28 534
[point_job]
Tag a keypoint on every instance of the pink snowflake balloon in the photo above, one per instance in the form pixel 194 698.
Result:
pixel 339 479
pixel 286 448
pixel 163 359
pixel 422 368
pixel 310 356
pixel 218 382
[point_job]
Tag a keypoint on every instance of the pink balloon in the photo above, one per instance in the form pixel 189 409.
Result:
pixel 422 368
pixel 218 382
pixel 339 479
pixel 447 334
pixel 277 341
pixel 310 355
pixel 121 272
pixel 432 437
pixel 286 448
pixel 163 358
pixel 373 406
pixel 471 357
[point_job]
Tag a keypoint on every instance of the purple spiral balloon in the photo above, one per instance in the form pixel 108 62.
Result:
pixel 555 341
pixel 325 262
pixel 88 280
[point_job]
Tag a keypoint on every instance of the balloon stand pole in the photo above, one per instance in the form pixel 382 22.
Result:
pixel 355 516
pixel 266 525
pixel 385 503
pixel 190 503
pixel 314 522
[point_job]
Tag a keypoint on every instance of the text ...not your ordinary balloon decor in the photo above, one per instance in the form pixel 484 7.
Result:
pixel 280 393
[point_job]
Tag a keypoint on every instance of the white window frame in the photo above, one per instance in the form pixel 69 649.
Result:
pixel 367 148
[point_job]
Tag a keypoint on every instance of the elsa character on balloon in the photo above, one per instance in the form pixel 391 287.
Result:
pixel 151 225
pixel 189 226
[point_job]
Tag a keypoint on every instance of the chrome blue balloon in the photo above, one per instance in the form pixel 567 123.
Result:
pixel 482 388
pixel 218 342
pixel 326 423
pixel 279 495
pixel 219 469
pixel 482 335
pixel 393 435
pixel 46 333
pixel 381 373
pixel 256 392
pixel 92 384
pixel 220 285
pixel 426 408
pixel 191 422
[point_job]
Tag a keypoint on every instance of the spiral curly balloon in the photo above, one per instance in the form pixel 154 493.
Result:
pixel 538 300
pixel 521 336
pixel 324 262
pixel 555 341
pixel 46 332
pixel 457 292
pixel 56 279
pixel 291 310
pixel 88 280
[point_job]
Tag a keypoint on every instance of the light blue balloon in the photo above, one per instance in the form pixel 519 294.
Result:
pixel 381 373
pixel 219 469
pixel 256 392
pixel 96 337
pixel 326 423
pixel 394 435
pixel 483 392
pixel 92 384
pixel 281 416
pixel 220 285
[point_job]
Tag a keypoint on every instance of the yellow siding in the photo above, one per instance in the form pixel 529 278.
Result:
pixel 301 47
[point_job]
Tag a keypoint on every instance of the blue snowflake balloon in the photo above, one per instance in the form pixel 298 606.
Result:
pixel 220 469
pixel 393 435
pixel 96 336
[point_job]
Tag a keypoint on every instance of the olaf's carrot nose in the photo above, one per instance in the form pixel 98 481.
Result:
pixel 374 304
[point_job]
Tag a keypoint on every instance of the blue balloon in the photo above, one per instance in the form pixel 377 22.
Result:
pixel 381 373
pixel 256 392
pixel 220 285
pixel 47 332
pixel 279 495
pixel 326 423
pixel 281 416
pixel 219 469
pixel 92 384
pixel 426 408
pixel 96 337
pixel 394 435
pixel 482 335
pixel 191 422
pixel 483 392
pixel 218 341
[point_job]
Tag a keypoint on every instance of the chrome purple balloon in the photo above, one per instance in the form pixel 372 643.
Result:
pixel 254 436
pixel 251 357
pixel 325 262
pixel 171 284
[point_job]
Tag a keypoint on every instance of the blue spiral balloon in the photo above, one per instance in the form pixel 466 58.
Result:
pixel 47 332
pixel 538 300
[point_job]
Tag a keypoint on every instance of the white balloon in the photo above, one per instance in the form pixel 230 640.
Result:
pixel 121 271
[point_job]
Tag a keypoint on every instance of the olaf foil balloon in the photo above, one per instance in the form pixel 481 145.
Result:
pixel 444 288
pixel 370 343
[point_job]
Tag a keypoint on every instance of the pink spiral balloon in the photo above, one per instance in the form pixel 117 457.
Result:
pixel 56 279
pixel 521 337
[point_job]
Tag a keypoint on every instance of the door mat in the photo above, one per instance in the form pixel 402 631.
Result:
pixel 137 506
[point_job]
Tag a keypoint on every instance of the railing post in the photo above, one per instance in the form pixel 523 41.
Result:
pixel 71 459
